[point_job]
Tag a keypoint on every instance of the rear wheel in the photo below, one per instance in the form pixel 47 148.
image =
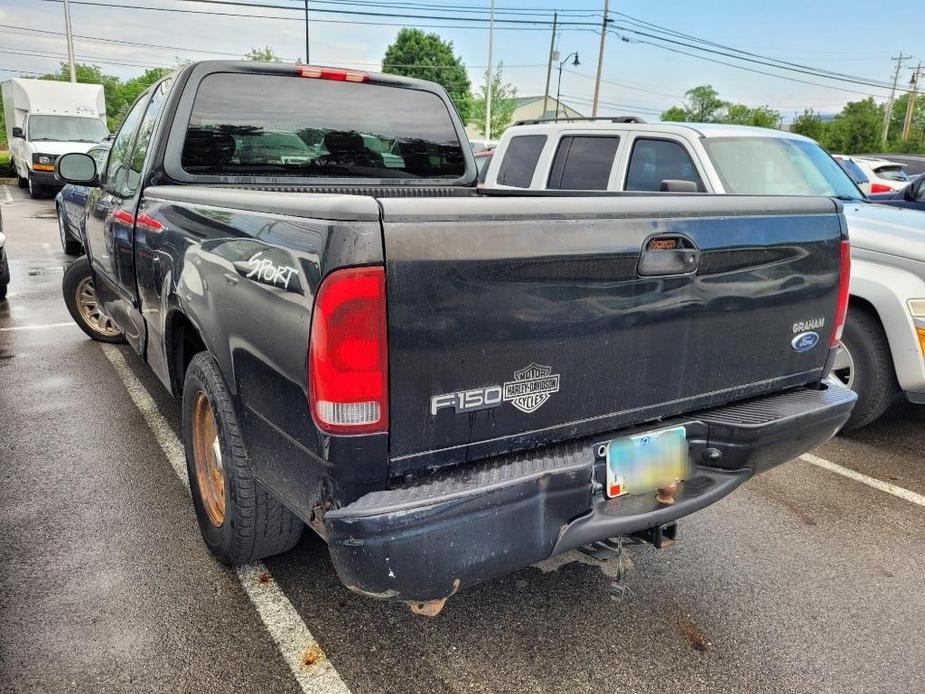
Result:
pixel 83 305
pixel 865 365
pixel 239 519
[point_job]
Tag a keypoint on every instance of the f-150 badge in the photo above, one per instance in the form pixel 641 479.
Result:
pixel 531 388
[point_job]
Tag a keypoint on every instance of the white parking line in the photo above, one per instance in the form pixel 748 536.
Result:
pixel 311 668
pixel 7 194
pixel 864 479
pixel 44 326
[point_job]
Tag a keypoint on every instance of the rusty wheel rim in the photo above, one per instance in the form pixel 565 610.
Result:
pixel 91 311
pixel 207 457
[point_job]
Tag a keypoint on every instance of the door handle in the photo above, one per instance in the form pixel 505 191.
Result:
pixel 668 255
pixel 231 278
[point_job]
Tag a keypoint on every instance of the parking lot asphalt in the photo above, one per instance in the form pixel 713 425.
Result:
pixel 803 580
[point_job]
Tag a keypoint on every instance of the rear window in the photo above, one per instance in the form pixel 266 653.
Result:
pixel 520 160
pixel 583 163
pixel 290 126
pixel 892 173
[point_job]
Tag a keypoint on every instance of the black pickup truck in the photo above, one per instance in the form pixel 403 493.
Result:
pixel 445 384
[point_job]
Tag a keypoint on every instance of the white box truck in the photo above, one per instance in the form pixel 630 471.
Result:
pixel 45 119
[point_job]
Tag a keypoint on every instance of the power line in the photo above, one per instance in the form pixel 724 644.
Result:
pixel 852 80
pixel 749 69
pixel 789 64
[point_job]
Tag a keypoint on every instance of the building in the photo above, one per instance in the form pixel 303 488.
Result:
pixel 530 108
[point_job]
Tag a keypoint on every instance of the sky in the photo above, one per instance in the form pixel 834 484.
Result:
pixel 849 36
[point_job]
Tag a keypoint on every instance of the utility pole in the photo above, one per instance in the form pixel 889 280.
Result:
pixel 552 56
pixel 889 104
pixel 307 60
pixel 491 46
pixel 70 41
pixel 600 61
pixel 910 106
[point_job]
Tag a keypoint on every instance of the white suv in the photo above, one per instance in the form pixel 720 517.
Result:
pixel 883 346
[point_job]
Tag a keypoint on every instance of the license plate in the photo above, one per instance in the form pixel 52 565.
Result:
pixel 646 462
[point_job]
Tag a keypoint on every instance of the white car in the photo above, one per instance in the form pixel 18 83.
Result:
pixel 885 176
pixel 882 352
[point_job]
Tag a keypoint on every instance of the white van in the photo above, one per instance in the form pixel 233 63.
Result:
pixel 45 119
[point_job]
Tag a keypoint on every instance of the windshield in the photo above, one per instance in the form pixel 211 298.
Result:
pixel 66 129
pixel 777 166
pixel 290 126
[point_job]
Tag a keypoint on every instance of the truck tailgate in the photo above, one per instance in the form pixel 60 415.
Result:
pixel 516 322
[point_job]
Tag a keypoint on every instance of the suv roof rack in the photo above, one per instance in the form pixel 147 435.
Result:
pixel 564 119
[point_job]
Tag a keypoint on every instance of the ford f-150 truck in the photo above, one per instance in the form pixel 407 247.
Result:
pixel 445 386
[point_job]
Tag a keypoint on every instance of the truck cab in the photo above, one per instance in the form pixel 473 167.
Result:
pixel 46 119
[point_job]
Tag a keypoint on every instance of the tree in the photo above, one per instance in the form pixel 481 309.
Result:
pixel 125 93
pixel 809 125
pixel 675 114
pixel 428 57
pixel 759 116
pixel 857 129
pixel 503 103
pixel 702 104
pixel 898 117
pixel 262 55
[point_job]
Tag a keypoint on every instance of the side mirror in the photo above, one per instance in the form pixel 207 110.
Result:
pixel 674 185
pixel 17 132
pixel 76 168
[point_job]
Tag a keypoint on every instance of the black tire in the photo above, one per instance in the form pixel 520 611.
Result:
pixel 75 275
pixel 35 191
pixel 20 181
pixel 3 288
pixel 874 377
pixel 69 244
pixel 255 524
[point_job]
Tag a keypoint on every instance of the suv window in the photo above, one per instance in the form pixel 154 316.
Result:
pixel 117 168
pixel 520 160
pixel 583 163
pixel 654 161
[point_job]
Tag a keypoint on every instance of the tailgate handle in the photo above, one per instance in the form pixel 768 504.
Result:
pixel 668 255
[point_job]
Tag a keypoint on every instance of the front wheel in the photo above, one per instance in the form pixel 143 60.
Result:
pixel 239 519
pixel 68 244
pixel 864 364
pixel 35 191
pixel 83 305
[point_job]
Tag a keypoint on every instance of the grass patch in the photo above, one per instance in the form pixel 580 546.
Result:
pixel 5 170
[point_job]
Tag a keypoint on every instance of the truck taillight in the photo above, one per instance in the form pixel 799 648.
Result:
pixel 844 279
pixel 348 353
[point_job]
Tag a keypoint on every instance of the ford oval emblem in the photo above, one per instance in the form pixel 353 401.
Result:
pixel 805 341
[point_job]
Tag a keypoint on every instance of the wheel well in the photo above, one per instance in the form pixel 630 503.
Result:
pixel 185 343
pixel 858 303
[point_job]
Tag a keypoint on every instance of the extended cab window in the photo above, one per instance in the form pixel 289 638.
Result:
pixel 583 163
pixel 290 126
pixel 654 161
pixel 520 160
pixel 117 170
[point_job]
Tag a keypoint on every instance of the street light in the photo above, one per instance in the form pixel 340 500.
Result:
pixel 559 84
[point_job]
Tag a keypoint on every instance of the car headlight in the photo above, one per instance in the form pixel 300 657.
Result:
pixel 917 307
pixel 43 162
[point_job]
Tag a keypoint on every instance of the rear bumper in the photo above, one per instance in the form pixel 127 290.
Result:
pixel 473 524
